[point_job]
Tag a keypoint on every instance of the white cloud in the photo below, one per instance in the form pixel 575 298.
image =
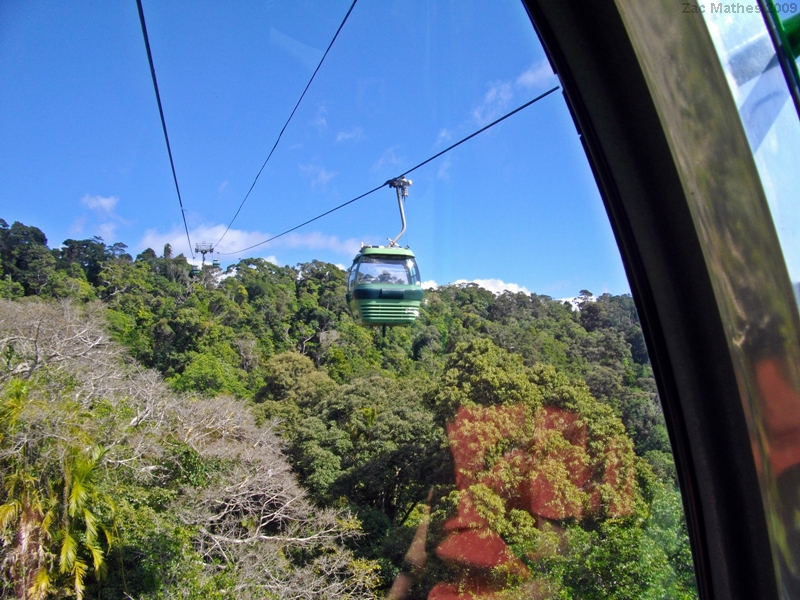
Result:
pixel 500 94
pixel 538 74
pixel 270 259
pixel 319 175
pixel 104 204
pixel 341 266
pixel 355 134
pixel 444 136
pixel 320 241
pixel 443 171
pixel 387 159
pixel 176 238
pixel 575 301
pixel 236 239
pixel 77 226
pixel 222 186
pixel 104 209
pixel 494 102
pixel 320 121
pixel 497 286
pixel 107 230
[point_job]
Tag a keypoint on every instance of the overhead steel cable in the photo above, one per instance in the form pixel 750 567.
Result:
pixel 275 237
pixel 473 134
pixel 163 121
pixel 375 189
pixel 285 125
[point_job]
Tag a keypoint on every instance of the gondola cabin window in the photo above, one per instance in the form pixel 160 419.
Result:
pixel 385 269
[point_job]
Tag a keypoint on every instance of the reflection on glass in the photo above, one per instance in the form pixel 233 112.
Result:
pixel 386 269
pixel 521 466
pixel 538 492
pixel 769 118
pixel 769 367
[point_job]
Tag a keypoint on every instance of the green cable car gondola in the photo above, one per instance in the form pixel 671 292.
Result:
pixel 383 285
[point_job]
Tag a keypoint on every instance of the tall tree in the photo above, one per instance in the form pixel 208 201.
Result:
pixel 89 254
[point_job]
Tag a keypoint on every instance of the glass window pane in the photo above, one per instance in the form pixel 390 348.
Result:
pixel 761 91
pixel 768 114
pixel 373 269
pixel 510 441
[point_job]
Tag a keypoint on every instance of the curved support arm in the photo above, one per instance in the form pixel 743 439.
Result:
pixel 393 243
pixel 401 185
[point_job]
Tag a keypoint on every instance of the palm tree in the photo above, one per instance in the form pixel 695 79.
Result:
pixel 56 523
pixel 27 515
pixel 86 513
pixel 26 521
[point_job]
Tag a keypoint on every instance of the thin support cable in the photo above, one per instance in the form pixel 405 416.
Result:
pixel 472 135
pixel 275 237
pixel 163 122
pixel 285 125
pixel 375 189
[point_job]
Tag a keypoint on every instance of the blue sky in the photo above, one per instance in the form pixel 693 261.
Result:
pixel 82 153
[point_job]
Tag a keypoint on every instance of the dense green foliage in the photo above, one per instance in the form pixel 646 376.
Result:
pixel 361 417
pixel 115 487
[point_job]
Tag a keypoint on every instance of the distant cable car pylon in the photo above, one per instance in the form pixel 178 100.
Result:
pixel 203 248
